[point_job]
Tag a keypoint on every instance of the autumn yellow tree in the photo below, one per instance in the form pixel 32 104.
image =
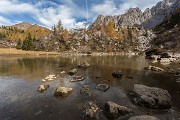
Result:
pixel 120 34
pixel 110 30
pixel 65 34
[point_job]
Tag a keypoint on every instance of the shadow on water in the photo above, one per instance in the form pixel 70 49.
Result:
pixel 20 77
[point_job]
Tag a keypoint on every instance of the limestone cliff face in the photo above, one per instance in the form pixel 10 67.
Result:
pixel 135 17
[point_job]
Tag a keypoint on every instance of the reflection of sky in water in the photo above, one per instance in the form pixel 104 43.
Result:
pixel 20 77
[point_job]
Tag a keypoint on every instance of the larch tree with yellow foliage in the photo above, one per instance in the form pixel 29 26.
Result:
pixel 110 30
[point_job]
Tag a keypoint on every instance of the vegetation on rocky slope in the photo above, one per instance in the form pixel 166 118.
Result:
pixel 168 33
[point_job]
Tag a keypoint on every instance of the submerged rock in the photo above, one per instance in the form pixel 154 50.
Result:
pixel 151 97
pixel 91 111
pixel 114 111
pixel 143 117
pixel 117 74
pixel 42 88
pixel 85 91
pixel 72 72
pixel 83 65
pixel 63 91
pixel 77 79
pixel 102 87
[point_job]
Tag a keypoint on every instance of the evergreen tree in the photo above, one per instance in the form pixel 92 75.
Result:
pixel 60 26
pixel 28 43
pixel 19 44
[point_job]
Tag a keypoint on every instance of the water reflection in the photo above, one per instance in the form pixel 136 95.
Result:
pixel 20 77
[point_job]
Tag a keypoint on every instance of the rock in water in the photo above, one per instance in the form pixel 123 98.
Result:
pixel 42 88
pixel 117 74
pixel 153 68
pixel 114 111
pixel 151 97
pixel 91 111
pixel 77 79
pixel 85 91
pixel 143 117
pixel 102 87
pixel 63 91
pixel 72 72
pixel 83 65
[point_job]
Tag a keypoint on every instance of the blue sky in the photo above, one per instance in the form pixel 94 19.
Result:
pixel 71 12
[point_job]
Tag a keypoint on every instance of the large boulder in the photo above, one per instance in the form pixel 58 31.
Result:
pixel 151 97
pixel 143 117
pixel 63 91
pixel 91 111
pixel 42 88
pixel 113 110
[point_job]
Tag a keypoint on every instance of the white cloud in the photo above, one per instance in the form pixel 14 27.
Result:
pixel 110 7
pixel 5 21
pixel 68 12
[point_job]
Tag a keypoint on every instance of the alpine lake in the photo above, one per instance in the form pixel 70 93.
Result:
pixel 20 77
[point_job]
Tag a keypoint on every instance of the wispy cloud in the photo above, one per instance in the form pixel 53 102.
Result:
pixel 71 12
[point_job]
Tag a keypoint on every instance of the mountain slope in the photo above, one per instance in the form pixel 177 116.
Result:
pixel 135 17
pixel 168 33
pixel 21 31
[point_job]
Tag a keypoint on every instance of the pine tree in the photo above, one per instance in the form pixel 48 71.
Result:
pixel 60 26
pixel 19 44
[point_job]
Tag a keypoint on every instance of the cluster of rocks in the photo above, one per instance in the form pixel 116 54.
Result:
pixel 162 57
pixel 150 97
pixel 44 87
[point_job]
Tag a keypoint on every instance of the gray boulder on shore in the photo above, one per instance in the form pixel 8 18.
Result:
pixel 151 97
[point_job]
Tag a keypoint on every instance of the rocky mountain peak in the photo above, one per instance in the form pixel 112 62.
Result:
pixel 150 18
pixel 134 10
pixel 23 25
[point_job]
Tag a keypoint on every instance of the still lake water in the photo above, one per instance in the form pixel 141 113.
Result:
pixel 20 77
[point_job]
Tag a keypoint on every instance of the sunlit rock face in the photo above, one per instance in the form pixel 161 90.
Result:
pixel 135 17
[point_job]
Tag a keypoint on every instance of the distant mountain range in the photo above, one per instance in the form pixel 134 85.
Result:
pixel 135 17
pixel 21 31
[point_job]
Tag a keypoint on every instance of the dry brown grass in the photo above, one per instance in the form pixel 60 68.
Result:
pixel 14 51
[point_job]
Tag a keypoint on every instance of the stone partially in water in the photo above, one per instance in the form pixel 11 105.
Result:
pixel 151 97
pixel 143 117
pixel 85 91
pixel 102 87
pixel 91 111
pixel 153 68
pixel 117 74
pixel 72 72
pixel 114 111
pixel 63 91
pixel 42 88
pixel 50 78
pixel 83 65
pixel 77 79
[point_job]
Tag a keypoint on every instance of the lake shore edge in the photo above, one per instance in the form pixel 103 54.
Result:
pixel 14 51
